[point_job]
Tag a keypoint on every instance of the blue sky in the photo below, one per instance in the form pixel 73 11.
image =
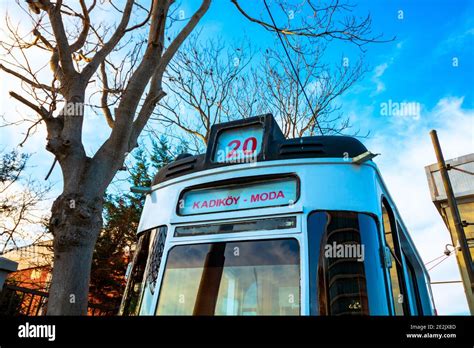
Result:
pixel 430 34
pixel 416 67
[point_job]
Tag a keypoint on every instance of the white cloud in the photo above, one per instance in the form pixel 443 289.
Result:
pixel 377 77
pixel 406 149
pixel 456 41
pixel 380 69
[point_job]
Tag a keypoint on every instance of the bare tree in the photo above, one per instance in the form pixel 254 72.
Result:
pixel 124 63
pixel 77 57
pixel 315 20
pixel 296 83
pixel 22 218
pixel 212 87
pixel 306 96
pixel 200 79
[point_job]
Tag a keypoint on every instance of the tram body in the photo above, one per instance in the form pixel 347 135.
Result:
pixel 308 228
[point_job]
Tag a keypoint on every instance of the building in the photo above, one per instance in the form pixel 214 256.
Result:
pixel 461 175
pixel 29 284
pixel 26 289
pixel 6 266
pixel 34 265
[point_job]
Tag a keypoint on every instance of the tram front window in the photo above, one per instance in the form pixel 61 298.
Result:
pixel 232 278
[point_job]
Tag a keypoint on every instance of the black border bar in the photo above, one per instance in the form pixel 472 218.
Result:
pixel 135 331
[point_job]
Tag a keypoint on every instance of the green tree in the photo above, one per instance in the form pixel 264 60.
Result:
pixel 11 165
pixel 161 152
pixel 121 217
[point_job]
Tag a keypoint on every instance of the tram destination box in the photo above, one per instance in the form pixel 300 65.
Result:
pixel 243 141
pixel 257 139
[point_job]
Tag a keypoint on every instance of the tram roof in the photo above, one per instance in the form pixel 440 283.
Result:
pixel 276 147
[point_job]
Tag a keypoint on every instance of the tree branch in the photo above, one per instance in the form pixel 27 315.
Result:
pixel 39 109
pixel 81 40
pixel 100 56
pixel 183 34
pixel 145 21
pixel 63 49
pixel 25 79
pixel 105 94
pixel 322 24
pixel 156 92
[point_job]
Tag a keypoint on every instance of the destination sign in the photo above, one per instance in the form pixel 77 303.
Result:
pixel 241 144
pixel 270 193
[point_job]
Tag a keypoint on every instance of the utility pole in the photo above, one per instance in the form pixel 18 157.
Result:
pixel 453 207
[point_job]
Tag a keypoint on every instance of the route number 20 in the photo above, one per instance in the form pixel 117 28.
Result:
pixel 248 147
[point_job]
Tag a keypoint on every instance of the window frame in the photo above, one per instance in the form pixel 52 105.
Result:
pixel 127 296
pixel 155 244
pixel 236 182
pixel 145 247
pixel 168 250
pixel 313 264
pixel 401 270
pixel 414 286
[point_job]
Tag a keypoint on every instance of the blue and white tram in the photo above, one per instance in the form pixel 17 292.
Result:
pixel 263 225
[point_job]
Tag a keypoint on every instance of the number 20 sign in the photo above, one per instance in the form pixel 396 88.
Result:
pixel 239 144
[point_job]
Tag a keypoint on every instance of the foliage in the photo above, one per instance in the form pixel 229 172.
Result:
pixel 121 218
pixel 11 165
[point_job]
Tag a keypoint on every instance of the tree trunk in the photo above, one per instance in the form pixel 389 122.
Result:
pixel 75 224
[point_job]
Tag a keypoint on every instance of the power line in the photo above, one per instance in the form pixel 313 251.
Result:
pixel 438 263
pixel 447 282
pixel 447 253
pixel 426 264
pixel 293 67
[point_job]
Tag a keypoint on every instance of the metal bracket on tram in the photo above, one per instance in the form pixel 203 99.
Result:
pixel 387 257
pixel 140 189
pixel 364 157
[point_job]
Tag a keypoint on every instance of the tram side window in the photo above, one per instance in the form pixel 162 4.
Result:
pixel 133 289
pixel 396 270
pixel 414 287
pixel 342 286
pixel 157 245
pixel 140 286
